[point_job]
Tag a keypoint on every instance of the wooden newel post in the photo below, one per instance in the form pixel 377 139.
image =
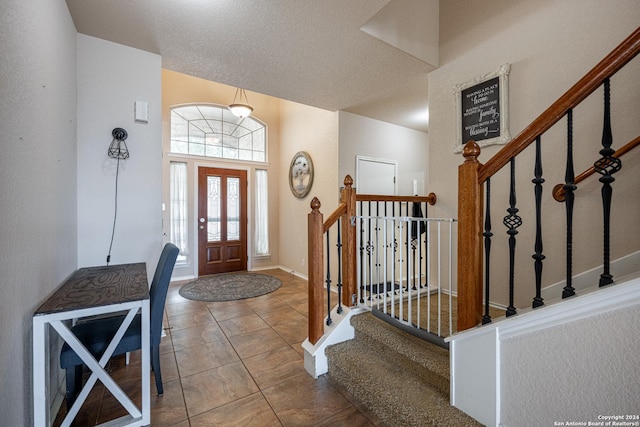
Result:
pixel 316 297
pixel 470 211
pixel 349 251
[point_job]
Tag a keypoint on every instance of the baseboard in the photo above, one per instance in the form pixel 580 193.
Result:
pixel 292 271
pixel 620 267
pixel 183 278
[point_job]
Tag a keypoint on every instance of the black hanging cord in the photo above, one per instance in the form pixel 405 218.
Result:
pixel 117 150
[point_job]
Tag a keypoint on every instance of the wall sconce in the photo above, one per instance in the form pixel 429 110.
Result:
pixel 118 148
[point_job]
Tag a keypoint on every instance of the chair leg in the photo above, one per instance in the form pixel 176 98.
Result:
pixel 74 383
pixel 155 365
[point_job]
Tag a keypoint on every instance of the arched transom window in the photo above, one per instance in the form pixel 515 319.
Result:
pixel 213 131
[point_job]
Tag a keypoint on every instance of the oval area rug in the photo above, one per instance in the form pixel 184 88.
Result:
pixel 229 286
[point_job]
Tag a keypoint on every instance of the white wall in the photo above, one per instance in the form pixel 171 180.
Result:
pixel 550 45
pixel 361 136
pixel 573 372
pixel 37 182
pixel 111 78
pixel 571 361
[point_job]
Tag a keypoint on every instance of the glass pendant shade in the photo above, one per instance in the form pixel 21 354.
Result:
pixel 240 109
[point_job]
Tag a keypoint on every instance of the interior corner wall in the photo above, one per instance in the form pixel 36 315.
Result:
pixel 550 45
pixel 111 78
pixel 310 129
pixel 362 136
pixel 37 183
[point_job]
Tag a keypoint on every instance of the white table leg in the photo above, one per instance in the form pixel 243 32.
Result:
pixel 97 367
pixel 40 377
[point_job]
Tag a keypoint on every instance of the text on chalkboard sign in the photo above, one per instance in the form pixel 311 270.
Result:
pixel 483 110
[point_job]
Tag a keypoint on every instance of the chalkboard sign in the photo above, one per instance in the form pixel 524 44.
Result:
pixel 482 110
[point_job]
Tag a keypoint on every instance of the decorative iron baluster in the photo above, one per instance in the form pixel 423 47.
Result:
pixel 569 187
pixel 328 280
pixel 487 252
pixel 407 244
pixel 362 269
pixel 376 228
pixel 538 256
pixel 606 166
pixel 339 284
pixel 369 248
pixel 414 246
pixel 512 222
pixel 422 228
pixel 393 246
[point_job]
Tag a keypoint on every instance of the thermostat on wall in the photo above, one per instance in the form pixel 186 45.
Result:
pixel 141 111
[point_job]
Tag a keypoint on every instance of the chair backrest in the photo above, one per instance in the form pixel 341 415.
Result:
pixel 159 287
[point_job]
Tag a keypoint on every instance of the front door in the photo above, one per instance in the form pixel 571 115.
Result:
pixel 222 220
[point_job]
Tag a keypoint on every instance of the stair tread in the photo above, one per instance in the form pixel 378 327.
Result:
pixel 395 394
pixel 355 355
pixel 430 356
pixel 400 378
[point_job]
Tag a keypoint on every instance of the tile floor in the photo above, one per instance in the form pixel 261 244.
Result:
pixel 235 363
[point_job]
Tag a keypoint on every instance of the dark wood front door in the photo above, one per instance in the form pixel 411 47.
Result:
pixel 222 220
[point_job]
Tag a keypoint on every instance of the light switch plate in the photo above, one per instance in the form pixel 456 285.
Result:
pixel 141 111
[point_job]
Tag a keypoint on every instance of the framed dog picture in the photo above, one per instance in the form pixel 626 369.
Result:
pixel 301 174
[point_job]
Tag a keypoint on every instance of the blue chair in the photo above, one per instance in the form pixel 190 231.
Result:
pixel 96 334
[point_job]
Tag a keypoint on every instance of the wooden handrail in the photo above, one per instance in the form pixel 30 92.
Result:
pixel 558 191
pixel 606 68
pixel 334 217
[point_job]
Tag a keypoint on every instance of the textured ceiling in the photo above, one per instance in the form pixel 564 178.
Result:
pixel 307 51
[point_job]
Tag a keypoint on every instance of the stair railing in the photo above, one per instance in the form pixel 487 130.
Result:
pixel 474 239
pixel 333 248
pixel 320 278
pixel 558 190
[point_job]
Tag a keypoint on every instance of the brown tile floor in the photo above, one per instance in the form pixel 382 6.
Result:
pixel 235 363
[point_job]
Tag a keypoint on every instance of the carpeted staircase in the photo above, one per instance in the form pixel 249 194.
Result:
pixel 401 379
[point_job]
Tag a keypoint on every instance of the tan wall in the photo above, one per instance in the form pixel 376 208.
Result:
pixel 315 131
pixel 550 45
pixel 292 127
pixel 183 89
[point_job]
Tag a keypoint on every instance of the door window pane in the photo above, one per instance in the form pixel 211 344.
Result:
pixel 213 209
pixel 233 208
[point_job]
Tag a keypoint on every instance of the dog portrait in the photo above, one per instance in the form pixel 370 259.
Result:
pixel 301 174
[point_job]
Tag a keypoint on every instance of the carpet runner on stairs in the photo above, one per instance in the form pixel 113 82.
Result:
pixel 401 379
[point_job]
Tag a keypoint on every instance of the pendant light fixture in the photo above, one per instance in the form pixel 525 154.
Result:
pixel 240 109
